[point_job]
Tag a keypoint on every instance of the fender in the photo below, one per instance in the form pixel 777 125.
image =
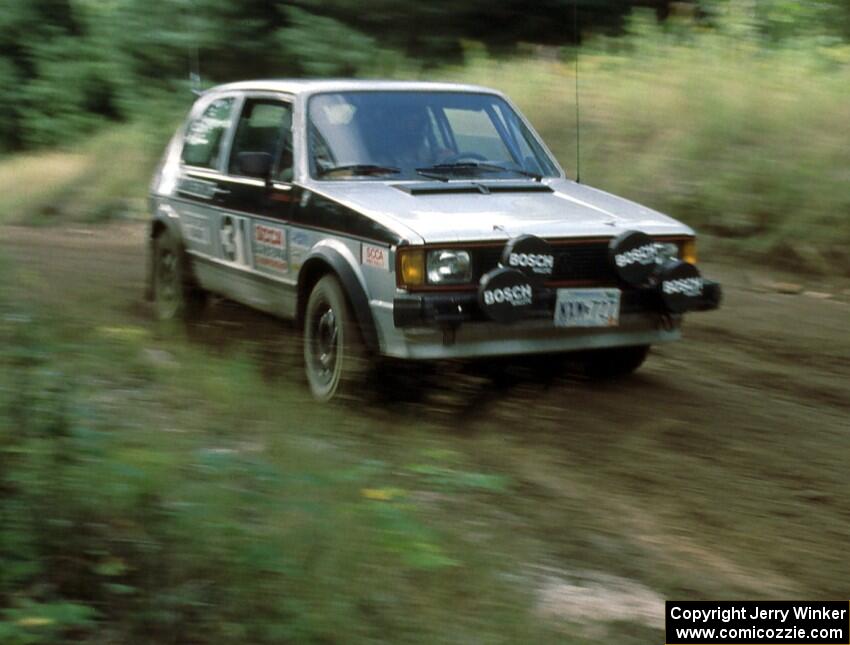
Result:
pixel 352 286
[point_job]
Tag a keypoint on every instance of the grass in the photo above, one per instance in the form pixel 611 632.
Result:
pixel 263 521
pixel 738 139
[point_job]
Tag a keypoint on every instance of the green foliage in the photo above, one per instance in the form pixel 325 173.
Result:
pixel 31 623
pixel 71 66
pixel 780 20
pixel 324 46
pixel 232 534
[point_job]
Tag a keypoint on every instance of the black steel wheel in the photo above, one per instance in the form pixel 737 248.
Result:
pixel 333 351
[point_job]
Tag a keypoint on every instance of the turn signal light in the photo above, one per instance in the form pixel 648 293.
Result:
pixel 689 251
pixel 412 267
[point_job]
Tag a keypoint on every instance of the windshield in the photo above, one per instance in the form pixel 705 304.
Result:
pixel 420 135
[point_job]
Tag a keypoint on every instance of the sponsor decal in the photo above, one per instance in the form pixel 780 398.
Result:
pixel 634 257
pixel 530 255
pixel 687 286
pixel 643 255
pixel 269 245
pixel 299 246
pixel 517 296
pixel 539 263
pixel 506 295
pixel 680 285
pixel 196 229
pixel 375 256
pixel 196 187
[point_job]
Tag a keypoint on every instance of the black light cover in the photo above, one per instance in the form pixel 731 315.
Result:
pixel 505 295
pixel 680 286
pixel 633 256
pixel 530 255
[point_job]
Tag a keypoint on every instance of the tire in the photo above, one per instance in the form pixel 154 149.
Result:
pixel 334 357
pixel 176 294
pixel 616 362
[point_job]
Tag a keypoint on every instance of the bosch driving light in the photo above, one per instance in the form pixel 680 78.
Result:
pixel 449 266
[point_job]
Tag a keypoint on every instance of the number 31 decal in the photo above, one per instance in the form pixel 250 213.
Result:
pixel 232 237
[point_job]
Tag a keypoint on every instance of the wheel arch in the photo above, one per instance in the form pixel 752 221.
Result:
pixel 326 260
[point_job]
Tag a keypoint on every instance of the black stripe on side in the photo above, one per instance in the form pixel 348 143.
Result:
pixel 313 210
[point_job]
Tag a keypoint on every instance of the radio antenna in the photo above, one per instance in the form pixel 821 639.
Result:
pixel 577 38
pixel 195 70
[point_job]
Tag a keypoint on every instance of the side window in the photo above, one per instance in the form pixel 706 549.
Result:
pixel 265 126
pixel 204 137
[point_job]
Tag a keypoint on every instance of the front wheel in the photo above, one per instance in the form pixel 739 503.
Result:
pixel 614 362
pixel 333 350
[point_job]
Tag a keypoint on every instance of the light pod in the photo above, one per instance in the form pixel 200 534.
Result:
pixel 505 295
pixel 634 257
pixel 680 286
pixel 530 255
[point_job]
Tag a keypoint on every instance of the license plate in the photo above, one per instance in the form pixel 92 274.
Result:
pixel 587 308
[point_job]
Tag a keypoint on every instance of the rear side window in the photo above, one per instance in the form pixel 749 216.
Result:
pixel 205 135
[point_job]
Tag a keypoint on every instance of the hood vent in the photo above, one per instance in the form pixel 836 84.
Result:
pixel 472 188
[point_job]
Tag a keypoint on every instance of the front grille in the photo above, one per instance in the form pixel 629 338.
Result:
pixel 574 262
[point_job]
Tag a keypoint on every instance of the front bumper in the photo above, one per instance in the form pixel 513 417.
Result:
pixel 447 310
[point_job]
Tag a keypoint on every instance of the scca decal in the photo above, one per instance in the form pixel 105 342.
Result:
pixel 375 256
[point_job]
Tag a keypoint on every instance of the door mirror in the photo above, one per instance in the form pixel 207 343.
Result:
pixel 254 164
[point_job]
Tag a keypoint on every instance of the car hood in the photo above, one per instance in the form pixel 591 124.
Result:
pixel 437 215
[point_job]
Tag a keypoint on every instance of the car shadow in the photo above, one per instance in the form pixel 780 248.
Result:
pixel 451 394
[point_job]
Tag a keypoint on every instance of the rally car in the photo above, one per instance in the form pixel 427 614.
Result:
pixel 411 220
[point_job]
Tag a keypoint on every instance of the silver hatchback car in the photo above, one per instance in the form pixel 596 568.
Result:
pixel 409 220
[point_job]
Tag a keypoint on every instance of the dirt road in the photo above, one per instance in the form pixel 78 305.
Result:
pixel 721 462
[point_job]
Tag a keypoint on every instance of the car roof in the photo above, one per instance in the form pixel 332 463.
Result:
pixel 311 86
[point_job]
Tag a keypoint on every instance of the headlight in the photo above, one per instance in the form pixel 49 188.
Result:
pixel 685 251
pixel 449 266
pixel 666 251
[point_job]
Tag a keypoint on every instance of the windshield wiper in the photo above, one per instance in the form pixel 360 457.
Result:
pixel 536 176
pixel 360 169
pixel 440 170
